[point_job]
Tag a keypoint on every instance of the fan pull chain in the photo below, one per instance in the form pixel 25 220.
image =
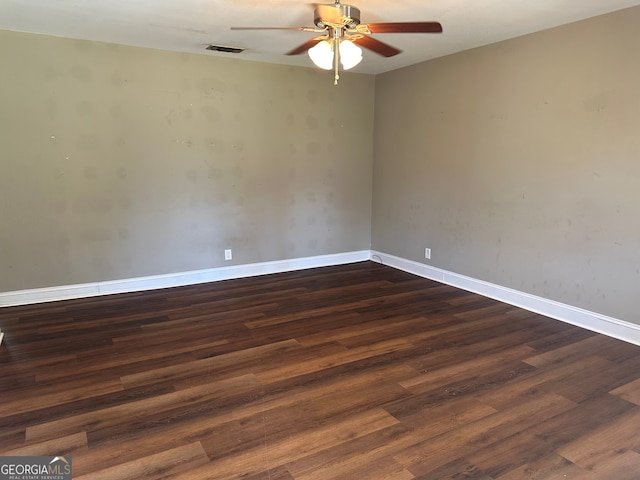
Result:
pixel 336 60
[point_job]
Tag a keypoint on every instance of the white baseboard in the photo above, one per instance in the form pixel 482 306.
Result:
pixel 626 331
pixel 66 292
pixel 612 327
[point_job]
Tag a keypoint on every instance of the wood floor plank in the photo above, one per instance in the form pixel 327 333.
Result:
pixel 596 381
pixel 509 453
pixel 481 435
pixel 629 391
pixel 356 371
pixel 388 442
pixel 216 421
pixel 157 466
pixel 606 443
pixel 539 380
pixel 42 396
pixel 458 468
pixel 270 455
pixel 623 466
pixel 207 365
pixel 213 394
pixel 339 358
pixel 465 369
pixel 57 445
pixel 549 467
pixel 127 362
pixel 355 467
pixel 583 419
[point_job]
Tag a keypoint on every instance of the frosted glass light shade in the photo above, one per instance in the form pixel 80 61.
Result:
pixel 322 55
pixel 350 54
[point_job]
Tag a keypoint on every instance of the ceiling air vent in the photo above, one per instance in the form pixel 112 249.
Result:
pixel 220 48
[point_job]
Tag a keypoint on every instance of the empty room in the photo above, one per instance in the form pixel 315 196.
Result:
pixel 286 240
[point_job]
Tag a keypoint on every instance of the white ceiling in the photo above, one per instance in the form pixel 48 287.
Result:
pixel 190 25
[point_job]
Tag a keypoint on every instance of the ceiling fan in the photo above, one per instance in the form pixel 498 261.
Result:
pixel 342 34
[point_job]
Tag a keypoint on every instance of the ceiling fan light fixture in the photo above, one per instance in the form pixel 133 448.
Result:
pixel 350 54
pixel 322 55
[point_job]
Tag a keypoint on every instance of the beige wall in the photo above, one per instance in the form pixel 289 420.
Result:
pixel 120 162
pixel 519 164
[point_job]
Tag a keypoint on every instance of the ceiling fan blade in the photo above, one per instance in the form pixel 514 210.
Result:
pixel 405 27
pixel 299 29
pixel 306 46
pixel 377 46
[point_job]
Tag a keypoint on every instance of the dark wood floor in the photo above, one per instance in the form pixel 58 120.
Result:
pixel 351 372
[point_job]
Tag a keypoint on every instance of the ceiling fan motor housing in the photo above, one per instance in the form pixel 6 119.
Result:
pixel 336 16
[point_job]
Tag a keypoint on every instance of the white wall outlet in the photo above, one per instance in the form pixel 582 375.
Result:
pixel 427 253
pixel 227 254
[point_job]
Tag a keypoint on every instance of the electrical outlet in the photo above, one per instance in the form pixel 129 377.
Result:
pixel 228 255
pixel 427 253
